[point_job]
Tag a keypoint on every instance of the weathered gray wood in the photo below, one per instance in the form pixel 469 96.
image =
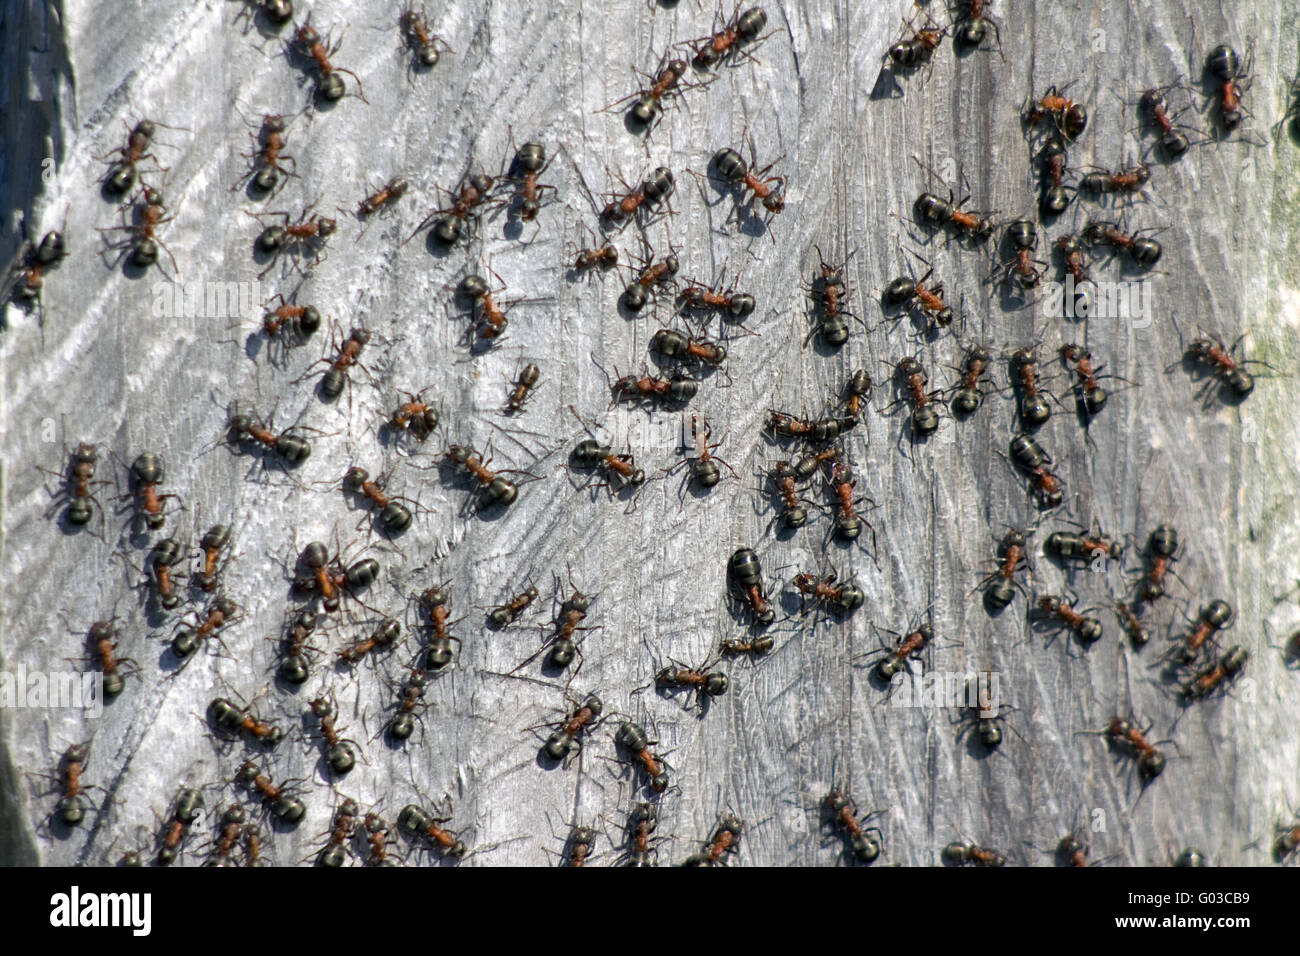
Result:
pixel 113 370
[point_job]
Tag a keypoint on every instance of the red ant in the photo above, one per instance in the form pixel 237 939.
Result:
pixel 1226 69
pixel 756 646
pixel 856 390
pixel 658 188
pixel 793 514
pixel 229 719
pixel 1032 407
pixel 910 52
pixel 1132 624
pixel 674 345
pixel 912 378
pixel 1076 267
pixel 568 734
pixel 143 241
pixel 1071 118
pixel 289 323
pixel 703 470
pixel 329 579
pixel 285 808
pixel 962 853
pixel 293 666
pixel 436 602
pixel 647 388
pixel 79 478
pixel 211 545
pixel 293 449
pixel 728 42
pixel 449 223
pixel 504 615
pixel 733 169
pixel 335 852
pixel 1228 369
pixel 309 233
pixel 402 724
pixel 521 388
pixel 844 598
pixel 189 638
pixel 563 648
pixel 147 473
pixel 821 430
pixel 72 805
pixel 186 809
pixel 266 174
pixel 163 556
pixel 725 839
pixel 579 846
pixel 347 354
pixel 665 84
pixel 1123 733
pixel 704 682
pixel 909 646
pixel 1213 617
pixel 1061 610
pixel 1072 850
pixel 339 753
pixel 232 827
pixel 384 636
pixel 492 488
pixel 844 813
pixel 1029 456
pixel 1216 676
pixel 393 517
pixel 641 824
pixel 103 647
pixel 1092 397
pixel 29 274
pixel 1125 180
pixel 394 190
pixel 1001 584
pixel 973 27
pixel 423 44
pixel 745 575
pixel 414 415
pixel 1143 250
pixel 1288 839
pixel 416 823
pixel 529 163
pixel 631 736
pixel 329 85
pixel 276 12
pixel 1154 103
pixel 492 319
pixel 602 256
pixel 121 176
pixel 648 277
pixel 1022 237
pixel 1056 197
pixel 969 225
pixel 378 839
pixel 928 304
pixel 968 395
pixel 729 303
pixel 848 522
pixel 830 292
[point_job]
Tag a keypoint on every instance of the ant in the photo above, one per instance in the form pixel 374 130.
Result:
pixel 103 647
pixel 1132 624
pixel 423 44
pixel 703 468
pixel 843 598
pixel 1022 237
pixel 999 587
pixel 293 666
pixel 491 317
pixel 844 814
pixel 80 479
pixel 394 517
pixel 978 714
pixel 733 169
pixel 521 388
pixel 121 176
pixel 674 345
pixel 848 522
pixel 927 304
pixel 1030 457
pixel 704 682
pixel 1228 368
pixel 562 647
pixel 821 430
pixel 1155 105
pixel 568 733
pixel 725 839
pixel 1124 734
pixel 829 291
pixel 793 514
pixel 1143 250
pixel 394 190
pixel 436 602
pixel 506 614
pixel 417 824
pixel 347 354
pixel 529 163
pixel 414 415
pixel 188 638
pixel 289 323
pixel 1071 118
pixel 969 854
pixel 1061 611
pixel 973 27
pixel 334 853
pixel 658 188
pixel 621 469
pixel 1032 407
pixel 649 277
pixel 602 256
pixel 143 242
pixel 329 86
pixel 185 811
pixel 641 824
pixel 29 276
pixel 1288 839
pixel 147 473
pixel 1216 676
pixel 909 646
pixel 1072 850
pixel 378 838
pixel 72 805
pixel 402 724
pixel 1087 547
pixel 578 846
pixel 974 369
pixel 648 104
pixel 677 390
pixel 1161 551
pixel 449 224
pixel 632 736
pixel 492 488
pixel 745 576
pixel 229 719
pixel 969 225
pixel 910 52
pixel 727 302
pixel 338 749
pixel 1213 617
pixel 1224 66
pixel 308 233
pixel 384 636
pixel 277 12
pixel 292 449
pixel 757 646
pixel 911 378
pixel 266 173
pixel 163 556
pixel 285 808
pixel 1076 269
pixel 856 389
pixel 1092 397
pixel 1126 180
pixel 1056 197
pixel 727 43
pixel 328 578
pixel 232 827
